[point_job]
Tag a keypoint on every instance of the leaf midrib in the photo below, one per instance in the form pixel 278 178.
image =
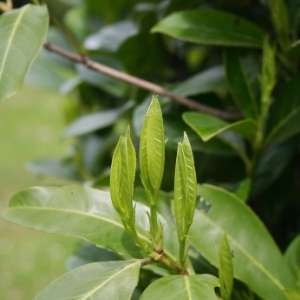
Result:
pixel 10 40
pixel 107 280
pixel 187 287
pixel 171 256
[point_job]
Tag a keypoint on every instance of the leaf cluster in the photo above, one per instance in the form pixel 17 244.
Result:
pixel 238 57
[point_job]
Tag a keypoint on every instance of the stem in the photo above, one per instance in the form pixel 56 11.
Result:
pixel 182 252
pixel 69 36
pixel 155 258
pixel 154 88
pixel 153 218
pixel 259 141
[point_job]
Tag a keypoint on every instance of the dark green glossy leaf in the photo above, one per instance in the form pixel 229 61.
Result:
pixel 257 260
pixel 194 287
pixel 225 269
pixel 22 33
pixel 292 255
pixel 211 27
pixel 285 113
pixel 241 77
pixel 97 281
pixel 277 154
pixel 207 126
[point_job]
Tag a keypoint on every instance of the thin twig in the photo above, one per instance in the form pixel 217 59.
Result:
pixel 154 88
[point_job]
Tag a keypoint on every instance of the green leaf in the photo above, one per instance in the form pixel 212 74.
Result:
pixel 293 294
pixel 105 83
pixel 104 280
pixel 54 167
pixel 257 260
pixel 281 22
pixel 88 253
pixel 72 210
pixel 243 189
pixel 22 33
pixel 174 127
pixel 284 118
pixel 292 255
pixel 277 154
pixel 194 287
pixel 96 121
pixel 48 74
pixel 86 213
pixel 207 126
pixel 109 38
pixel 211 27
pixel 185 187
pixel 210 80
pixel 268 76
pixel 152 148
pixel 240 76
pixel 225 269
pixel 122 177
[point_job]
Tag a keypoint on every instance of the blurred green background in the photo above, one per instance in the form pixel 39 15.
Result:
pixel 31 123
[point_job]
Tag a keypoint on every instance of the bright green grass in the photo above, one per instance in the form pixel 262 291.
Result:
pixel 31 124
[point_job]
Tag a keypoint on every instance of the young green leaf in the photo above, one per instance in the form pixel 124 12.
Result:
pixel 257 258
pixel 211 27
pixel 194 287
pixel 122 177
pixel 152 149
pixel 225 269
pixel 268 76
pixel 281 22
pixel 185 187
pixel 101 280
pixel 22 33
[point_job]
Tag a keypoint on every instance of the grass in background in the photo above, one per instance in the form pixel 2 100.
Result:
pixel 31 124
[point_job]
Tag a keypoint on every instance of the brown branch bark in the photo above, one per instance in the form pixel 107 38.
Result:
pixel 154 88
